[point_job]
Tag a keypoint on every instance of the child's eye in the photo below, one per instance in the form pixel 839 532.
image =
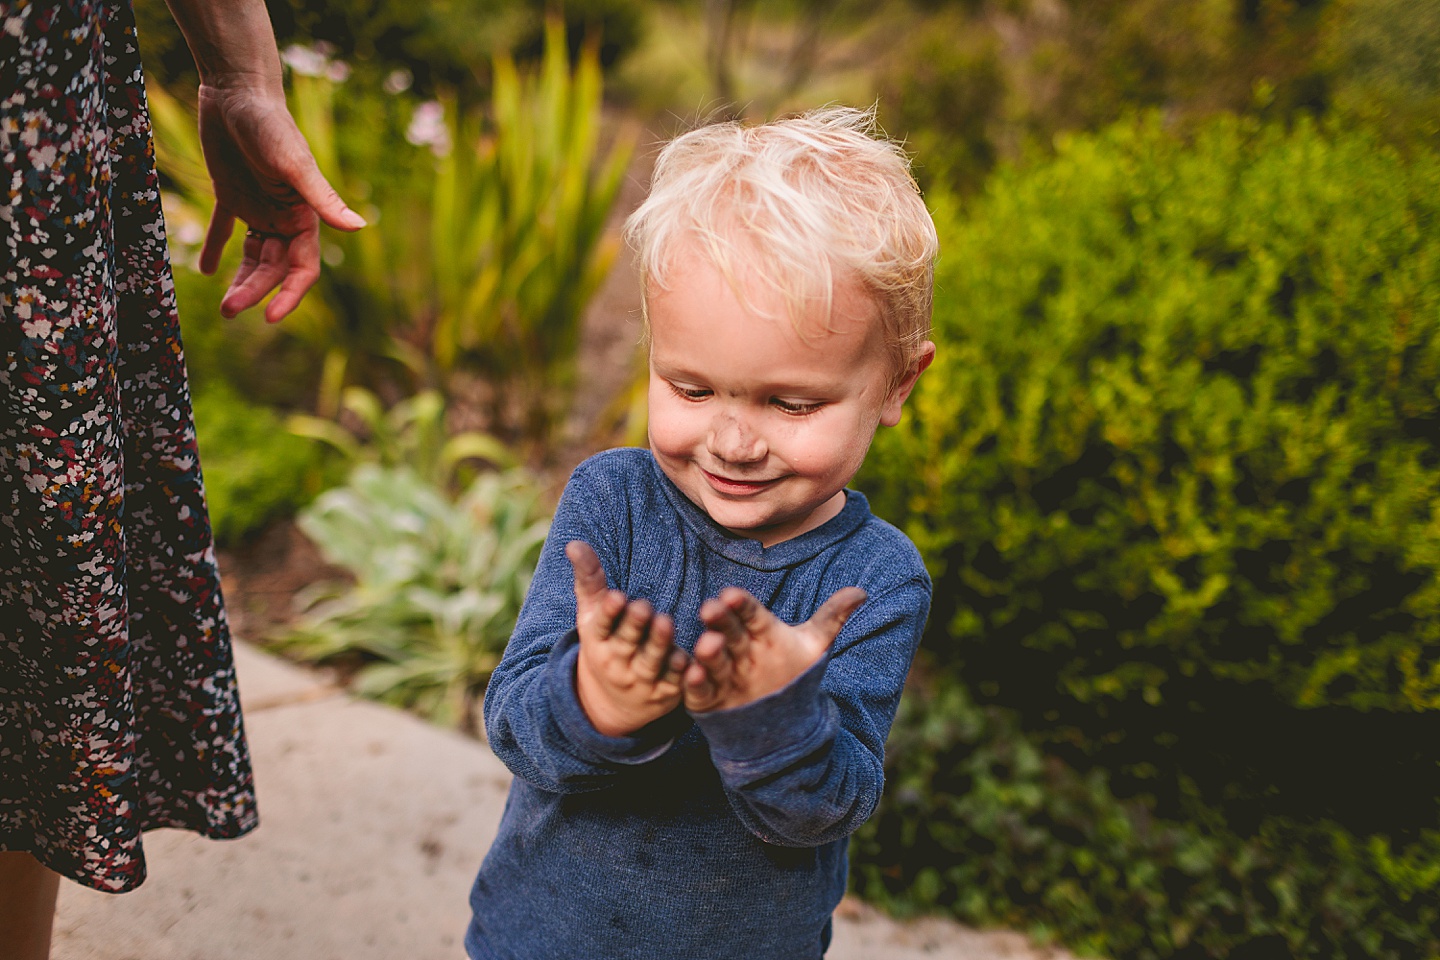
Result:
pixel 687 392
pixel 795 408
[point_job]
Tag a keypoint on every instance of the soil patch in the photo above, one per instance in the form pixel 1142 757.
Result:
pixel 261 578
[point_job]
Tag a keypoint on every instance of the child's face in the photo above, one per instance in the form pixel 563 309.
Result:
pixel 757 425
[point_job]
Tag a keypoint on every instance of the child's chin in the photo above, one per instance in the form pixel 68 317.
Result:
pixel 768 530
pixel 742 523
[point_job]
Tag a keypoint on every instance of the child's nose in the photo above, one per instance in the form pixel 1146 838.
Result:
pixel 734 441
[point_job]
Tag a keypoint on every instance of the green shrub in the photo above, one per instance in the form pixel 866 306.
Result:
pixel 437 582
pixel 1176 472
pixel 255 470
pixel 980 820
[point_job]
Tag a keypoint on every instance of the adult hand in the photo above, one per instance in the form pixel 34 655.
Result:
pixel 748 652
pixel 629 670
pixel 264 175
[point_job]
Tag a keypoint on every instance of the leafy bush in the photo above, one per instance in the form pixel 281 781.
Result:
pixel 985 78
pixel 980 820
pixel 1176 472
pixel 255 471
pixel 437 583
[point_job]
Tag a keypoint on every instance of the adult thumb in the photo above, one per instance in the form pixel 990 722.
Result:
pixel 311 184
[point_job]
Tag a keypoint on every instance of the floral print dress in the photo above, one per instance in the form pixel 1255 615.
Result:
pixel 118 706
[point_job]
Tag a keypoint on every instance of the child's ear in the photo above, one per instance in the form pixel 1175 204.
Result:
pixel 895 402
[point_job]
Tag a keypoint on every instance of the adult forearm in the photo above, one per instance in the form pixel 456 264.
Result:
pixel 232 42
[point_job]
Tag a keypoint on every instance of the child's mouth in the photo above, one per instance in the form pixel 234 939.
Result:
pixel 736 487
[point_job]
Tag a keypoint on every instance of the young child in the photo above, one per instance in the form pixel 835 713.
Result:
pixel 697 694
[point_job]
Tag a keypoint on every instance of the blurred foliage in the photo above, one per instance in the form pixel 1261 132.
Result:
pixel 487 235
pixel 947 101
pixel 439 45
pixel 1176 472
pixel 984 79
pixel 982 821
pixel 439 555
pixel 255 472
pixel 436 583
pixel 1386 58
pixel 411 434
pixel 1391 45
pixel 730 58
pixel 731 30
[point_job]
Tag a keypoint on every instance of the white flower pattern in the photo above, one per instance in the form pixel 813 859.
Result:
pixel 118 706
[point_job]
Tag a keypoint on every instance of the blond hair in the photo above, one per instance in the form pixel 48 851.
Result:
pixel 801 205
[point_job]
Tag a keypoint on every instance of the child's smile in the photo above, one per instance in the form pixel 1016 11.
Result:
pixel 757 423
pixel 738 488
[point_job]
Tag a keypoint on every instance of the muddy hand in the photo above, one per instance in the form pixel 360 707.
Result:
pixel 629 670
pixel 747 652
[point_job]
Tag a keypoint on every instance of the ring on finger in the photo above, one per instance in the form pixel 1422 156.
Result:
pixel 262 235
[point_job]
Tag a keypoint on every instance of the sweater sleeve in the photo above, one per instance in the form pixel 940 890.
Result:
pixel 533 717
pixel 805 765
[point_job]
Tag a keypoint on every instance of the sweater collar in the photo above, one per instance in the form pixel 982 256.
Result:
pixel 743 550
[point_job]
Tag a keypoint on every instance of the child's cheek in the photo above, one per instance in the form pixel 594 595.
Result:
pixel 670 428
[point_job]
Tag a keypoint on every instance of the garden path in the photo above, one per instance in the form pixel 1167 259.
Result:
pixel 373 823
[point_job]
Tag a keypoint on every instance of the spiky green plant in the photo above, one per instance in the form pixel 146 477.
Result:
pixel 485 245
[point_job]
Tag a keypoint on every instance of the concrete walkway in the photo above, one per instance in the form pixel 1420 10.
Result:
pixel 373 823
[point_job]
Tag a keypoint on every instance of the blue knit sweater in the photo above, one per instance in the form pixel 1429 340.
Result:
pixel 721 835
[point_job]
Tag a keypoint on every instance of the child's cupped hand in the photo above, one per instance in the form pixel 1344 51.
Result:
pixel 748 652
pixel 629 671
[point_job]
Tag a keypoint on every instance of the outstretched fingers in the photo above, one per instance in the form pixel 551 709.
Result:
pixel 632 630
pixel 747 652
pixel 738 618
pixel 653 653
